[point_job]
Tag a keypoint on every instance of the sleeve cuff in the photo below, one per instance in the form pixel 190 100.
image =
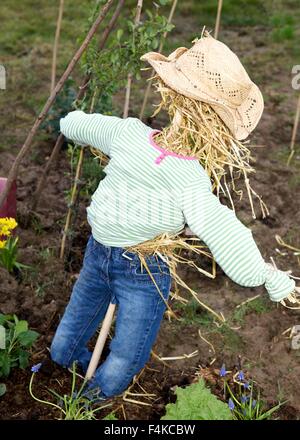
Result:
pixel 278 283
pixel 68 126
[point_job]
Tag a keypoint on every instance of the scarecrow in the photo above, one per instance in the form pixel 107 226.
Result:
pixel 156 184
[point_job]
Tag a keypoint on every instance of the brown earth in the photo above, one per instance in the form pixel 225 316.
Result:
pixel 257 341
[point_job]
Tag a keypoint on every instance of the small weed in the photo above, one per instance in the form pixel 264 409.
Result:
pixel 294 181
pixel 193 314
pixel 232 340
pixel 37 225
pixel 110 416
pixel 46 254
pixel 41 289
pixel 259 305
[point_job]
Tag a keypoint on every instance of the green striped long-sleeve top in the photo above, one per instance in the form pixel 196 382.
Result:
pixel 148 191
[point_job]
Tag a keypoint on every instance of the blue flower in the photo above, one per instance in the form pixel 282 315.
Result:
pixel 241 376
pixel 35 368
pixel 223 371
pixel 60 403
pixel 244 398
pixel 246 385
pixel 231 404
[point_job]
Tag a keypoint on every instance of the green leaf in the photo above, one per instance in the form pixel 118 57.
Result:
pixel 23 359
pixel 196 402
pixel 26 339
pixel 110 416
pixel 5 318
pixel 2 389
pixel 21 326
pixel 2 337
pixel 5 364
pixel 155 43
pixel 119 34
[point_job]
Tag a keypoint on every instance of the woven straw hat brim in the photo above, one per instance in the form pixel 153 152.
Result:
pixel 235 118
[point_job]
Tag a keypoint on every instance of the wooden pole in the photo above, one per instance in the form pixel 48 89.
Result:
pixel 147 93
pixel 218 19
pixel 75 187
pixel 100 341
pixel 81 92
pixel 71 205
pixel 27 145
pixel 294 134
pixel 55 47
pixel 129 79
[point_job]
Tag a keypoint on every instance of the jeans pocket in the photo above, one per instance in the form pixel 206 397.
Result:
pixel 157 268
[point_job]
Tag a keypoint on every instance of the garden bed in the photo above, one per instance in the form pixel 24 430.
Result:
pixel 253 335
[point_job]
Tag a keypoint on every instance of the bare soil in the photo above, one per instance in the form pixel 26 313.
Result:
pixel 257 341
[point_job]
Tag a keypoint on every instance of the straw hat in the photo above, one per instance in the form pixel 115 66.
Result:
pixel 210 72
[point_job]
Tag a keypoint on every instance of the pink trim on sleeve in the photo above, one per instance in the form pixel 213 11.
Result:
pixel 164 152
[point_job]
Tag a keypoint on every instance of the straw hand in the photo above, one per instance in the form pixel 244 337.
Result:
pixel 292 301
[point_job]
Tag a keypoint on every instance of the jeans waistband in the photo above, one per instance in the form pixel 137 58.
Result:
pixel 120 252
pixel 115 251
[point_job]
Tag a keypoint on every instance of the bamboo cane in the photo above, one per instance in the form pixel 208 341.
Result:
pixel 81 92
pixel 294 134
pixel 73 197
pixel 26 147
pixel 218 19
pixel 75 187
pixel 100 341
pixel 147 93
pixel 56 41
pixel 129 78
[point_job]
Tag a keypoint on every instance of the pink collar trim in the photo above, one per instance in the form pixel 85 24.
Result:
pixel 165 153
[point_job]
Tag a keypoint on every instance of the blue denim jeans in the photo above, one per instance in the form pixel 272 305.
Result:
pixel 112 274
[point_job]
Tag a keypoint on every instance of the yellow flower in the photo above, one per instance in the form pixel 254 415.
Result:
pixel 5 230
pixel 7 224
pixel 2 244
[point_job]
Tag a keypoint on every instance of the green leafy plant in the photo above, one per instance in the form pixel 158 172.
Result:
pixel 18 340
pixel 8 255
pixel 72 406
pixel 110 67
pixel 196 402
